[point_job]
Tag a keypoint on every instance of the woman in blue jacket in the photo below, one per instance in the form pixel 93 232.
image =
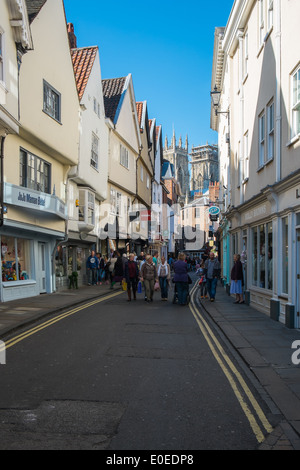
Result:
pixel 181 279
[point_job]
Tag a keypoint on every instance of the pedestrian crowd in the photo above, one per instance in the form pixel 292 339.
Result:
pixel 145 273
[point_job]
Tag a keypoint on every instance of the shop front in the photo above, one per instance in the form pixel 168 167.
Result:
pixel 266 233
pixel 71 257
pixel 27 249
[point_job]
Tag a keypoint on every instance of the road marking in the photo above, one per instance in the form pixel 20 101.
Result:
pixel 221 359
pixel 32 331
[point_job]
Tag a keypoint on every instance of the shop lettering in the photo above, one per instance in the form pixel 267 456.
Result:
pixel 256 212
pixel 37 201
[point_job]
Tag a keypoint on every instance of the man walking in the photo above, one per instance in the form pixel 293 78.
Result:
pixel 213 271
pixel 92 267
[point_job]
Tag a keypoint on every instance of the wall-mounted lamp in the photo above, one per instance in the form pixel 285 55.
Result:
pixel 215 98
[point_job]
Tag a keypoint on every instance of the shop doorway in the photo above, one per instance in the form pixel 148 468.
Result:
pixel 41 274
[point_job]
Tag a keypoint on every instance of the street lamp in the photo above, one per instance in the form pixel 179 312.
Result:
pixel 215 98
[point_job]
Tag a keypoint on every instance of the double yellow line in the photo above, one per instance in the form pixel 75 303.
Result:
pixel 255 416
pixel 8 344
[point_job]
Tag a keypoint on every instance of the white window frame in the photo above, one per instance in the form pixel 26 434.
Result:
pixel 94 151
pixel 262 139
pixel 246 54
pixel 270 15
pixel 270 131
pixel 246 157
pixel 148 182
pixel 295 99
pixel 2 56
pixel 113 201
pixel 86 213
pixel 124 157
pixel 261 20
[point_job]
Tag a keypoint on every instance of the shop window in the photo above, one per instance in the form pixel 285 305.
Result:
pixel 254 256
pixel 61 261
pixel 285 255
pixel 262 256
pixel 15 257
pixel 270 256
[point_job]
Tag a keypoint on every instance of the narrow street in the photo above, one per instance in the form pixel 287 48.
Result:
pixel 128 376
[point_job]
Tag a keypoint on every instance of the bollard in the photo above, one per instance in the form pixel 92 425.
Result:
pixel 290 316
pixel 2 353
pixel 274 309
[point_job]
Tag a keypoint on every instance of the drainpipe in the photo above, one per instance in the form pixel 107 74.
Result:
pixel 2 180
pixel 278 87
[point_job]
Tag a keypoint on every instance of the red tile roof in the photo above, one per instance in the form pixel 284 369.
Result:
pixel 112 91
pixel 139 108
pixel 83 61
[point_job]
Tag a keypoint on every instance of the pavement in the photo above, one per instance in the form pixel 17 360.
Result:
pixel 264 344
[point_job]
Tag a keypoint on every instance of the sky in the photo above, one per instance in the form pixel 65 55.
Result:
pixel 167 46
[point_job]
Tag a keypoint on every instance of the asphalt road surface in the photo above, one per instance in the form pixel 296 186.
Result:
pixel 116 375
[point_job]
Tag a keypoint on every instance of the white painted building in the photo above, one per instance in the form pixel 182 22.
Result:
pixel 257 70
pixel 87 181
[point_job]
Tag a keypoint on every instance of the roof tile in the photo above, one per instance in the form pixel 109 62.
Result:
pixel 83 61
pixel 112 91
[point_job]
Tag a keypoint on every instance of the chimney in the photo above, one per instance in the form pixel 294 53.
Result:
pixel 72 37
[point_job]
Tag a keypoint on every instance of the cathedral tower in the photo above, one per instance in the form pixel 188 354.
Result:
pixel 178 156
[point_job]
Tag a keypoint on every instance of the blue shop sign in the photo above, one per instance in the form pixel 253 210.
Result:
pixel 214 210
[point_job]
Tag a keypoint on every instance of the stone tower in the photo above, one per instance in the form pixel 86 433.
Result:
pixel 205 167
pixel 178 156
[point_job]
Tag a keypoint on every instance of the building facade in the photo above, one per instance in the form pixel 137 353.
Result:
pixel 87 181
pixel 261 200
pixel 37 159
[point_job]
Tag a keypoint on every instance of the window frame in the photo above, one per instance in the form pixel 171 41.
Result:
pixel 24 171
pixel 2 56
pixel 261 139
pixel 56 115
pixel 295 104
pixel 261 21
pixel 270 131
pixel 124 157
pixel 94 162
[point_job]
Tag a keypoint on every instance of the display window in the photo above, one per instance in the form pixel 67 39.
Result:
pixel 15 257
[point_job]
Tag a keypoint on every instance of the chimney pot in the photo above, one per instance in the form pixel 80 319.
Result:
pixel 72 37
